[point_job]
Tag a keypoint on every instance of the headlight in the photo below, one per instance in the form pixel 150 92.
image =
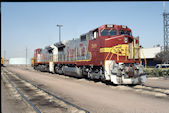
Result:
pixel 125 39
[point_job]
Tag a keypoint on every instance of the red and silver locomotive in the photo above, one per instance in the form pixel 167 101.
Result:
pixel 108 53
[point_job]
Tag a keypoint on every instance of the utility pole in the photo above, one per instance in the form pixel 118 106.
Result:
pixel 4 54
pixel 26 56
pixel 59 31
pixel 5 57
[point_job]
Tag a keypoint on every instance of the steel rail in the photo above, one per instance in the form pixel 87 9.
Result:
pixel 53 94
pixel 27 100
pixel 157 89
pixel 154 89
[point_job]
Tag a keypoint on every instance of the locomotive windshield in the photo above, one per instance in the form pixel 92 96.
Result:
pixel 106 32
pixel 122 32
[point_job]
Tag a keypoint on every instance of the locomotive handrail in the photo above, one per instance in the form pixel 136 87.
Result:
pixel 139 54
pixel 137 47
pixel 126 53
pixel 145 60
pixel 134 53
pixel 110 56
pixel 109 53
pixel 117 54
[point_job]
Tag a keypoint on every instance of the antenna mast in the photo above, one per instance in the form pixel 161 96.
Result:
pixel 166 28
pixel 166 35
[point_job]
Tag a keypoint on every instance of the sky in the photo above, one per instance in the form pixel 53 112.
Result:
pixel 32 25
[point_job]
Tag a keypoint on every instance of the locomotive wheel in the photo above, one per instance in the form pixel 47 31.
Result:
pixel 89 76
pixel 103 79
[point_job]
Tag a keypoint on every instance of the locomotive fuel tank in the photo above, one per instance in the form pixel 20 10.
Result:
pixel 72 71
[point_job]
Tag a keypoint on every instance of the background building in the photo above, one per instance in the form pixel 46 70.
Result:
pixel 149 54
pixel 19 61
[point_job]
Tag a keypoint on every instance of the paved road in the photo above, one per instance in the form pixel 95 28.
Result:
pixel 96 97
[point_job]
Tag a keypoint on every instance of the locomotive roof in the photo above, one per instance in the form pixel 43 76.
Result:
pixel 48 48
pixel 108 24
pixel 59 44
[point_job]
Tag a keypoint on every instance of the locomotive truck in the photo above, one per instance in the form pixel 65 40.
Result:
pixel 107 53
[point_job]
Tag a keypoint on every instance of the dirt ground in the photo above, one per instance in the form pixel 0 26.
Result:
pixel 96 97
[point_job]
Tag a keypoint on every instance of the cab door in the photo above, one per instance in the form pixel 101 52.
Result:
pixel 94 46
pixel 94 43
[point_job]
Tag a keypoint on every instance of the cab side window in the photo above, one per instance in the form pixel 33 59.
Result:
pixel 83 38
pixel 94 34
pixel 91 35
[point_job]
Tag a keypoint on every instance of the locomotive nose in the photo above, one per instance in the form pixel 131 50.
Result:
pixel 127 73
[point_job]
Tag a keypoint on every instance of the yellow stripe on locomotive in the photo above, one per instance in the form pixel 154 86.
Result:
pixel 32 62
pixel 2 61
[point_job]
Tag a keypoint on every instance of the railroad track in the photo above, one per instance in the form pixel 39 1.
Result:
pixel 154 89
pixel 144 89
pixel 40 99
